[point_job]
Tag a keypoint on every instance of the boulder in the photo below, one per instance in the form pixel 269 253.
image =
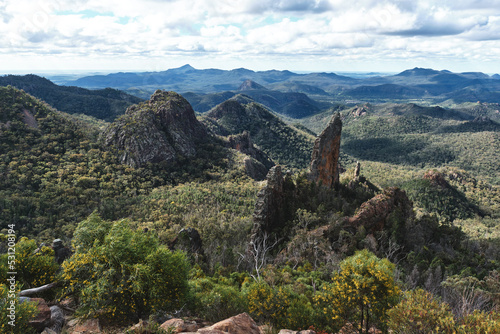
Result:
pixel 61 252
pixel 49 331
pixel 189 240
pixel 239 324
pixel 57 319
pixel 179 325
pixel 42 319
pixel 88 326
pixel 324 167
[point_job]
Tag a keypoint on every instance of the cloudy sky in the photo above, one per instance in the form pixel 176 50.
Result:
pixel 298 35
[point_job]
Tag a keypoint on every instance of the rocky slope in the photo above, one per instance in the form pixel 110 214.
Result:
pixel 284 144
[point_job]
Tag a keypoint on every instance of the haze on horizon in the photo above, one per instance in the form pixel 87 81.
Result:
pixel 296 35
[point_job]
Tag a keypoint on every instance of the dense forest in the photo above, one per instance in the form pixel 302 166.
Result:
pixel 407 241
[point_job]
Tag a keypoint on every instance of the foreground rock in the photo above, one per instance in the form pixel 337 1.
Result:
pixel 239 324
pixel 325 156
pixel 81 326
pixel 179 326
pixel 42 319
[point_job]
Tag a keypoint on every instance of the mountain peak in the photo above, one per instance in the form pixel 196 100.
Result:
pixel 419 71
pixel 157 130
pixel 250 85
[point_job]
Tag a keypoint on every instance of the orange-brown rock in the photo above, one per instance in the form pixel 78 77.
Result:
pixel 88 326
pixel 373 213
pixel 179 326
pixel 42 318
pixel 239 324
pixel 325 156
pixel 436 179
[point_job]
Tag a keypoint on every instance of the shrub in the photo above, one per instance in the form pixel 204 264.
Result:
pixel 24 312
pixel 420 311
pixel 124 274
pixel 479 323
pixel 364 289
pixel 279 306
pixel 33 269
pixel 215 301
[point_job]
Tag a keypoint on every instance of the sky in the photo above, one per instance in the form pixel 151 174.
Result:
pixel 297 35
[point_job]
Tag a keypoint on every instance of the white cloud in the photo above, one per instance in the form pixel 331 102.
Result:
pixel 275 32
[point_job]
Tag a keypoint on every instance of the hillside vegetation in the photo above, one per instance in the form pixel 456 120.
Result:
pixel 106 104
pixel 163 216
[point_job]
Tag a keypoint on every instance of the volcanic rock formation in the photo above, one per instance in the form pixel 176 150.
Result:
pixel 156 130
pixel 325 156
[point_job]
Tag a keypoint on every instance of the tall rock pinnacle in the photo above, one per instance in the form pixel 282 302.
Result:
pixel 325 156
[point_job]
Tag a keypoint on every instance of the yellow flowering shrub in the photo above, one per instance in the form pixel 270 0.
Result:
pixel 279 306
pixel 361 292
pixel 24 312
pixel 33 269
pixel 122 273
pixel 479 322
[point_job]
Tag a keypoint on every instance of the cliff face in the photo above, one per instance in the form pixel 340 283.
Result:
pixel 374 213
pixel 325 156
pixel 156 130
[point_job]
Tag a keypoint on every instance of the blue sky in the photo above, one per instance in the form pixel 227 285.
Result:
pixel 298 35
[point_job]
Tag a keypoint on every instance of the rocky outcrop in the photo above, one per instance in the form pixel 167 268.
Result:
pixel 258 163
pixel 324 163
pixel 61 252
pixel 155 131
pixel 374 213
pixel 268 212
pixel 243 143
pixel 436 179
pixel 188 239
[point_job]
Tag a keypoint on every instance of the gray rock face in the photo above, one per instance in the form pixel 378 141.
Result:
pixel 156 130
pixel 268 210
pixel 257 167
pixel 325 156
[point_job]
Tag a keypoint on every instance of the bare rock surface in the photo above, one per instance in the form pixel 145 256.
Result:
pixel 324 162
pixel 239 324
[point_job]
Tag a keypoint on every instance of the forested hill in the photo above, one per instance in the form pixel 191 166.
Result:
pixel 106 104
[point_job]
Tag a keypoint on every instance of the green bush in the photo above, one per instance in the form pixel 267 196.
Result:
pixel 364 289
pixel 24 312
pixel 126 274
pixel 33 269
pixel 216 300
pixel 420 311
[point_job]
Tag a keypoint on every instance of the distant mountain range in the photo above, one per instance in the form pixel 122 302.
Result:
pixel 417 83
pixel 105 104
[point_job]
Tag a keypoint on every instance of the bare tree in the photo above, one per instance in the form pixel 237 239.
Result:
pixel 258 251
pixel 465 295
